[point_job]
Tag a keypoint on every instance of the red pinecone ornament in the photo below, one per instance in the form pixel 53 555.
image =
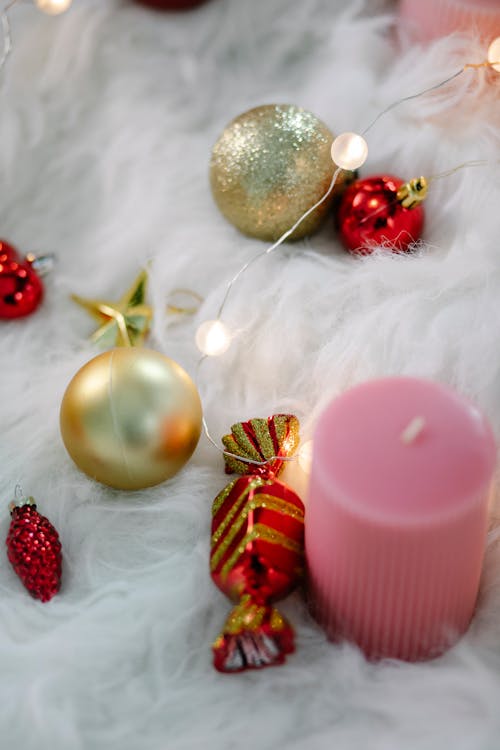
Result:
pixel 34 551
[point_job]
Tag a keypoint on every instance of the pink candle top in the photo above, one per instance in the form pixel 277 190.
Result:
pixel 397 514
pixel 361 448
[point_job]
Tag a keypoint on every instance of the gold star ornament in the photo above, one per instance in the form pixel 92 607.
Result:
pixel 122 323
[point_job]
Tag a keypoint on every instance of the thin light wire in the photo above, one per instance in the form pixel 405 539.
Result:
pixel 278 242
pixel 412 96
pixel 435 87
pixel 433 178
pixel 465 165
pixel 226 452
pixel 222 306
pixel 7 35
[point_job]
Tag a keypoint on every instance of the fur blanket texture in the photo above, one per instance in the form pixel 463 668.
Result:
pixel 108 116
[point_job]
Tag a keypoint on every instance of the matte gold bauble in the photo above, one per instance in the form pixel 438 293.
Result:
pixel 131 418
pixel 269 166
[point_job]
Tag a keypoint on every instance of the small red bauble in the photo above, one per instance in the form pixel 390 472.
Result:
pixel 172 4
pixel 21 289
pixel 370 215
pixel 34 550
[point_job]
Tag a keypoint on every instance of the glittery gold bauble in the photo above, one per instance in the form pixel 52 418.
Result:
pixel 131 418
pixel 270 165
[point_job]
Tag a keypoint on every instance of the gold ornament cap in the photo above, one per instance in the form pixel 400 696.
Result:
pixel 131 418
pixel 269 166
pixel 413 193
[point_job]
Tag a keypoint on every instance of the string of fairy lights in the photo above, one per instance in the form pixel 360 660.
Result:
pixel 349 151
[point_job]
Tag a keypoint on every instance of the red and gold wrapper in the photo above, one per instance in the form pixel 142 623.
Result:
pixel 260 440
pixel 257 552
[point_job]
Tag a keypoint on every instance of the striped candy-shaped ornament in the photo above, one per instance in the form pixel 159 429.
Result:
pixel 257 551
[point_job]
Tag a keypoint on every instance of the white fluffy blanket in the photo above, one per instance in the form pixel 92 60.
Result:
pixel 108 115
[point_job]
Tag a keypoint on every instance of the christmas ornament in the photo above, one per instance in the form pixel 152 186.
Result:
pixel 257 544
pixel 381 211
pixel 34 549
pixel 122 323
pixel 130 418
pixel 269 166
pixel 21 290
pixel 172 4
pixel 261 440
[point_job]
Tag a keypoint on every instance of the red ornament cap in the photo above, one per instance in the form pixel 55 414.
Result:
pixel 34 550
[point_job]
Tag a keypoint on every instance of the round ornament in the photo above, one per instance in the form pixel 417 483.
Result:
pixel 371 214
pixel 21 289
pixel 269 166
pixel 131 418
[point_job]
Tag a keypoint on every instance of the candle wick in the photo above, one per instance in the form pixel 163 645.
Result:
pixel 413 430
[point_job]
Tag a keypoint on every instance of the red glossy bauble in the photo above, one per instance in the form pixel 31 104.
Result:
pixel 370 216
pixel 21 289
pixel 171 4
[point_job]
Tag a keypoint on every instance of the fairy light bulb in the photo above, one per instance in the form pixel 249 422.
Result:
pixel 213 338
pixel 305 456
pixel 349 151
pixel 494 54
pixel 53 7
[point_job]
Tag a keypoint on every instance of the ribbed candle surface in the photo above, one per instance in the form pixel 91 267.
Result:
pixel 434 18
pixel 397 515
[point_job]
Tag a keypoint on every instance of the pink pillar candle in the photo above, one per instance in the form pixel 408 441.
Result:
pixel 434 18
pixel 397 516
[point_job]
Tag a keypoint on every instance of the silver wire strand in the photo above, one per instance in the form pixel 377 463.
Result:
pixel 434 178
pixel 7 34
pixel 278 242
pixel 223 450
pixel 222 306
pixel 392 106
